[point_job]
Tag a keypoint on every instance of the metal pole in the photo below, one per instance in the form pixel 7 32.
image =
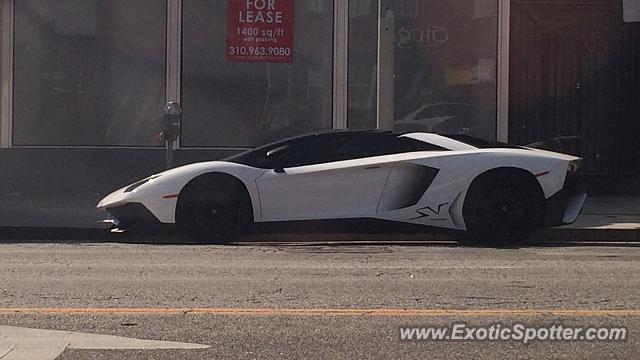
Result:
pixel 386 47
pixel 504 16
pixel 169 154
pixel 341 61
pixel 174 46
pixel 6 73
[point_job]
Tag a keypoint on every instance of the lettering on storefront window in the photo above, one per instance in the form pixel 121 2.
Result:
pixel 260 31
pixel 430 35
pixel 260 11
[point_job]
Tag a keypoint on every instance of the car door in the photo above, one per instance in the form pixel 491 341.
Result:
pixel 318 183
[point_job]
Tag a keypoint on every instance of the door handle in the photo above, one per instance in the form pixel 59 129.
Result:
pixel 373 167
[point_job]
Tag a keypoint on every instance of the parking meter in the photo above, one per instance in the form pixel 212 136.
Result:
pixel 172 119
pixel 171 132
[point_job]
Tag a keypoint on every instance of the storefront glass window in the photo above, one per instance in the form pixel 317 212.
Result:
pixel 363 49
pixel 444 66
pixel 89 72
pixel 245 104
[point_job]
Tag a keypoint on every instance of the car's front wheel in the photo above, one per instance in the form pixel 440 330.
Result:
pixel 503 207
pixel 213 209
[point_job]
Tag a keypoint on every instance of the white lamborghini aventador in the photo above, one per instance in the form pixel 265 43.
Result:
pixel 496 192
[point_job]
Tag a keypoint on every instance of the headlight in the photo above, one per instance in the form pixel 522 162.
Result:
pixel 574 166
pixel 137 184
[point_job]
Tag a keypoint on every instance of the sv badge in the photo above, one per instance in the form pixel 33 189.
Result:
pixel 429 212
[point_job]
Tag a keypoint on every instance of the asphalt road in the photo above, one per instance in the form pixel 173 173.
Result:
pixel 320 301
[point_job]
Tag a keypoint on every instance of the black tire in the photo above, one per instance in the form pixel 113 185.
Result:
pixel 503 207
pixel 213 209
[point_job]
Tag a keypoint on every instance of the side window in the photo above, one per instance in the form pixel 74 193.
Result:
pixel 258 156
pixel 364 145
pixel 326 148
pixel 317 149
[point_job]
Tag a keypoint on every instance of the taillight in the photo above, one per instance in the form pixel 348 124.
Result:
pixel 574 166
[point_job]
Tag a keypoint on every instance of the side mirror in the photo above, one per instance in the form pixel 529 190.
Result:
pixel 275 157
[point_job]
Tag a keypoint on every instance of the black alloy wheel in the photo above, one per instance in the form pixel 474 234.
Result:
pixel 502 208
pixel 214 214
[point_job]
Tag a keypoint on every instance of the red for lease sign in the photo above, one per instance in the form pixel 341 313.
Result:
pixel 260 31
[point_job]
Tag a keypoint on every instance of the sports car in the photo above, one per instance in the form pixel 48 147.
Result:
pixel 492 191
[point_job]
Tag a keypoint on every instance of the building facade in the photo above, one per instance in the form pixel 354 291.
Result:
pixel 85 82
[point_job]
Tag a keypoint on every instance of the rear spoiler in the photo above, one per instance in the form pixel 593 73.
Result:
pixel 562 144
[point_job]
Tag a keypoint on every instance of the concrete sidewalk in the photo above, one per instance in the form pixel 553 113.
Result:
pixel 609 213
pixel 17 210
pixel 602 219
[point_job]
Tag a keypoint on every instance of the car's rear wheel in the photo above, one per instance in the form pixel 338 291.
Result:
pixel 213 209
pixel 503 207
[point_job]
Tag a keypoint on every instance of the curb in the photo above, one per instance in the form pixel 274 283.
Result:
pixel 45 234
pixel 79 235
pixel 587 234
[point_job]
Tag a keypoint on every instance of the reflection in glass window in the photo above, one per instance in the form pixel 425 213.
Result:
pixel 362 67
pixel 444 66
pixel 89 72
pixel 229 104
